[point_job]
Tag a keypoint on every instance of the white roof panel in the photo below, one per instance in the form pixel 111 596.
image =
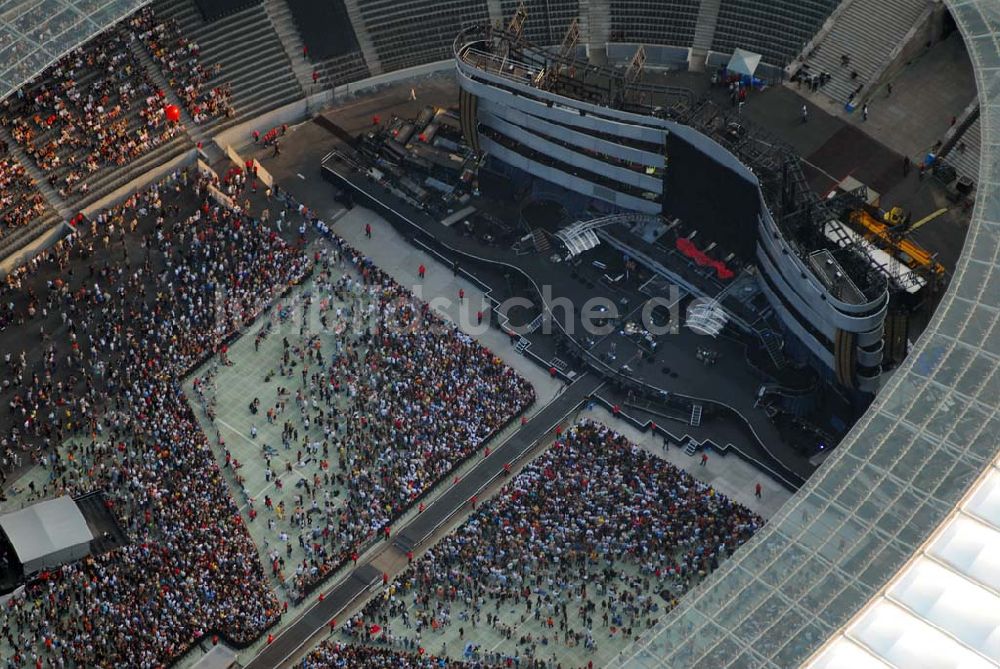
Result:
pixel 960 607
pixel 943 609
pixel 903 640
pixel 972 548
pixel 985 501
pixel 848 655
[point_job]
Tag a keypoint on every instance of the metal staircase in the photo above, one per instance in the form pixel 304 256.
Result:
pixel 773 344
pixel 541 241
pixel 695 415
pixel 704 33
pixel 964 152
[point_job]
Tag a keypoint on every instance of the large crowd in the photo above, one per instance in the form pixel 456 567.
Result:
pixel 20 201
pixel 98 108
pixel 333 655
pixel 108 380
pixel 378 399
pixel 134 301
pixel 594 539
pixel 179 59
pixel 94 108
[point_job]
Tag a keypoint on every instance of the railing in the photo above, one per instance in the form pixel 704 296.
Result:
pixel 501 472
pixel 955 136
pixel 462 48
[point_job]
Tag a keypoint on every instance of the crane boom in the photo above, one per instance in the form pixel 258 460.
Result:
pixel 908 252
pixel 926 219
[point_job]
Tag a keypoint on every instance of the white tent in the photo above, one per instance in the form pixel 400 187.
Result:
pixel 47 534
pixel 744 62
pixel 219 657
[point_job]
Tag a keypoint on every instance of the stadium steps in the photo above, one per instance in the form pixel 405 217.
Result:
pixel 109 180
pixel 867 31
pixel 966 162
pixel 597 18
pixel 158 78
pixel 284 27
pixel 15 240
pixel 341 70
pixel 41 183
pixel 364 39
pixel 704 31
pixel 253 59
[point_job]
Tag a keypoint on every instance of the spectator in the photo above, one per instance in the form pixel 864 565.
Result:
pixel 595 525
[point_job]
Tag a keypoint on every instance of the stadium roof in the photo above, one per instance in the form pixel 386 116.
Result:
pixel 827 572
pixel 36 33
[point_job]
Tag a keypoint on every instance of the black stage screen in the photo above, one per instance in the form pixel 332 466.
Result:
pixel 325 27
pixel 710 197
pixel 216 9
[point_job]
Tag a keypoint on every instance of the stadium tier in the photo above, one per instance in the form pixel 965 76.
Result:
pixel 266 415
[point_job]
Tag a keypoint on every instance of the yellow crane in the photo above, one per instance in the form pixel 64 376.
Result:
pixel 889 231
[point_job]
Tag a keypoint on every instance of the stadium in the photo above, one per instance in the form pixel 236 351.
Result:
pixel 499 333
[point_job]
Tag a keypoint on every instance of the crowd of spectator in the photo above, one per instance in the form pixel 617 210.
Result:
pixel 378 399
pixel 179 59
pixel 594 539
pixel 332 655
pixel 108 379
pixel 143 294
pixel 95 108
pixel 20 201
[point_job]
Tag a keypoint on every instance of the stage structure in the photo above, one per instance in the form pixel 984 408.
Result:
pixel 615 143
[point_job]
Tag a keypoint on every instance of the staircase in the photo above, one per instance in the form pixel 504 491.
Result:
pixel 704 33
pixel 964 155
pixel 695 415
pixel 252 58
pixel 541 241
pixel 691 447
pixel 869 32
pixel 495 10
pixel 364 39
pixel 112 179
pixel 595 26
pixel 108 533
pixel 773 344
pixel 284 26
pixel 156 75
pixel 41 183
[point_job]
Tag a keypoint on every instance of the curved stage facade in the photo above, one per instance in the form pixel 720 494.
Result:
pixel 854 570
pixel 613 143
